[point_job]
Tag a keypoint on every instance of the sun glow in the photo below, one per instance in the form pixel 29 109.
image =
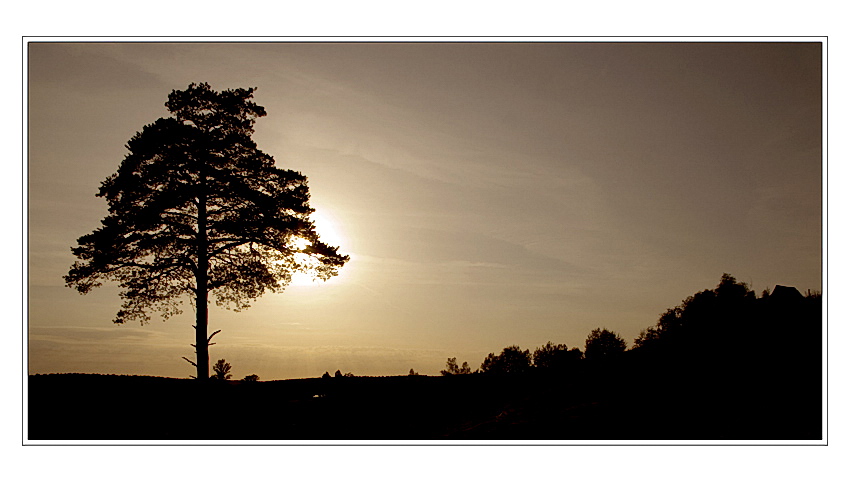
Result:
pixel 328 230
pixel 329 234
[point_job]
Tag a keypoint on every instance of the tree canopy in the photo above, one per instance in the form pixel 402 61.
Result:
pixel 602 344
pixel 694 321
pixel 556 357
pixel 512 360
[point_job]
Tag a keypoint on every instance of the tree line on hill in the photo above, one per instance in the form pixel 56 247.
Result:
pixel 724 326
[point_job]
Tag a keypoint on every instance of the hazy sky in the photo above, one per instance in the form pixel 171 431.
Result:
pixel 488 194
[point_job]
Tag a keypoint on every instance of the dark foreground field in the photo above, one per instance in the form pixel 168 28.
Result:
pixel 591 405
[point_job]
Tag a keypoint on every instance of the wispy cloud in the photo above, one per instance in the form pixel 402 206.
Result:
pixel 77 335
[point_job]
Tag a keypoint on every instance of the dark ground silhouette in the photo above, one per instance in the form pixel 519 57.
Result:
pixel 723 365
pixel 595 404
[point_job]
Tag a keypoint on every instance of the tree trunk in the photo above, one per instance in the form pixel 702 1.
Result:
pixel 201 320
pixel 202 281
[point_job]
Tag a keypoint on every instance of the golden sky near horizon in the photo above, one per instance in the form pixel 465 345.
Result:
pixel 488 194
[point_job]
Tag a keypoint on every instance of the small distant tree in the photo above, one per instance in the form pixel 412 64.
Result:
pixel 602 344
pixel 222 370
pixel 511 360
pixel 326 375
pixel 251 378
pixel 731 288
pixel 412 373
pixel 453 369
pixel 349 375
pixel 338 374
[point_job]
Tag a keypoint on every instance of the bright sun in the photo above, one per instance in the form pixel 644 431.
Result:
pixel 328 233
